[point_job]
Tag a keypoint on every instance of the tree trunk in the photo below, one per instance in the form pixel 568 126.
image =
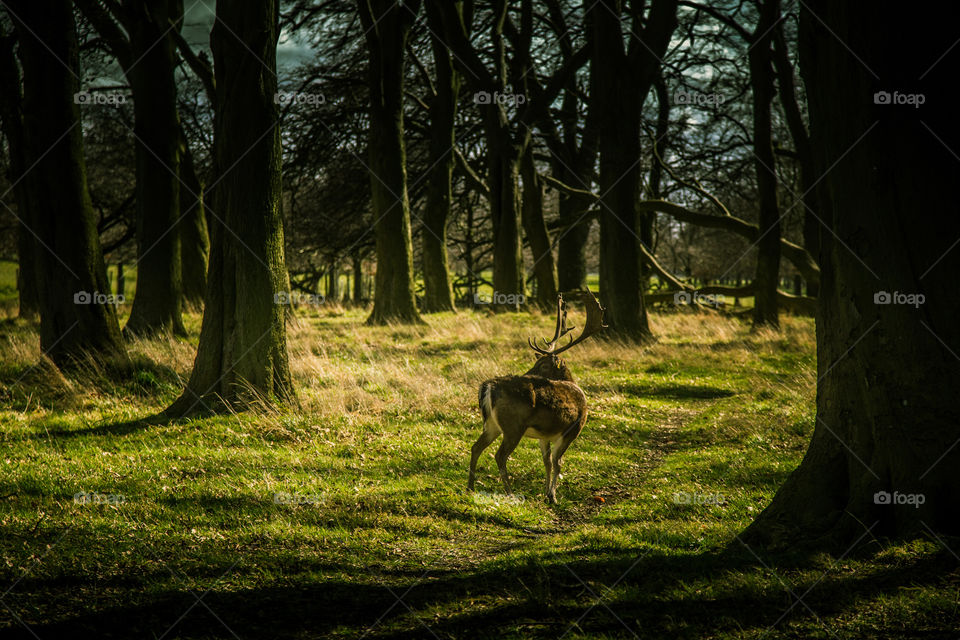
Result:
pixel 357 262
pixel 765 311
pixel 503 153
pixel 648 219
pixel 194 235
pixel 333 283
pixel 502 174
pixel 242 355
pixel 623 80
pixel 812 189
pixel 121 280
pixel 70 273
pixel 536 229
pixel 572 246
pixel 11 116
pixel 158 300
pixel 884 454
pixel 386 25
pixel 438 294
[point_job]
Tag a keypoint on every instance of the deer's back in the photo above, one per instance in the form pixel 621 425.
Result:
pixel 543 405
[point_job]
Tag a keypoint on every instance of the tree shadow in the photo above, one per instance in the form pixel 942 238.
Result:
pixel 658 596
pixel 122 428
pixel 675 391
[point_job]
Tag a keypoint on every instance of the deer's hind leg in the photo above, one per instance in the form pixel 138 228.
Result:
pixel 547 463
pixel 491 430
pixel 509 443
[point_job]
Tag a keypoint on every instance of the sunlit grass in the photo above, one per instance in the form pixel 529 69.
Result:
pixel 359 492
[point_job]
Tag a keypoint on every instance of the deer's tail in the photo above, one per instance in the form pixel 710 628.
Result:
pixel 488 398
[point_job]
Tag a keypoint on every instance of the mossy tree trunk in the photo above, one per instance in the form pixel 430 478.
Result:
pixel 438 292
pixel 886 412
pixel 544 266
pixel 158 299
pixel 242 355
pixel 194 233
pixel 386 24
pixel 69 262
pixel 11 117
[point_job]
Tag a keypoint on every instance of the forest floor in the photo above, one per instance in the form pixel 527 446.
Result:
pixel 348 517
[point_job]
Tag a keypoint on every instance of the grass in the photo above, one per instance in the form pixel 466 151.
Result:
pixel 349 518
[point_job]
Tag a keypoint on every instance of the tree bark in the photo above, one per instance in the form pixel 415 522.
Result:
pixel 886 413
pixel 438 292
pixel 333 282
pixel 623 80
pixel 544 266
pixel 765 311
pixel 242 356
pixel 812 190
pixel 158 299
pixel 11 117
pixel 386 25
pixel 194 233
pixel 357 264
pixel 70 272
pixel 503 153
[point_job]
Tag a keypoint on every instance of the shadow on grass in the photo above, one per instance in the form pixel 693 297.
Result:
pixel 122 428
pixel 728 594
pixel 675 391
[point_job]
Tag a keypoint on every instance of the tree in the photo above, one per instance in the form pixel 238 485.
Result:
pixel 768 245
pixel 623 78
pixel 386 24
pixel 886 415
pixel 158 299
pixel 11 117
pixel 574 153
pixel 242 354
pixel 76 319
pixel 194 233
pixel 503 151
pixel 146 54
pixel 438 294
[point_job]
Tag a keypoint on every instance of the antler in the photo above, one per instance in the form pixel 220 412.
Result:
pixel 560 331
pixel 593 324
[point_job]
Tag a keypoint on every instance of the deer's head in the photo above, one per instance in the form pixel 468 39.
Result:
pixel 549 365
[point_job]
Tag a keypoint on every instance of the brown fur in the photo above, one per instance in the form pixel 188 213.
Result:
pixel 545 403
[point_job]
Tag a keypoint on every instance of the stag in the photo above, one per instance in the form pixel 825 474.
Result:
pixel 544 403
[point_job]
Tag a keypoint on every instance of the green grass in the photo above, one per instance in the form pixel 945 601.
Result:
pixel 312 522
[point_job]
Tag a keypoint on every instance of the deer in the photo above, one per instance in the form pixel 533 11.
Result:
pixel 545 403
